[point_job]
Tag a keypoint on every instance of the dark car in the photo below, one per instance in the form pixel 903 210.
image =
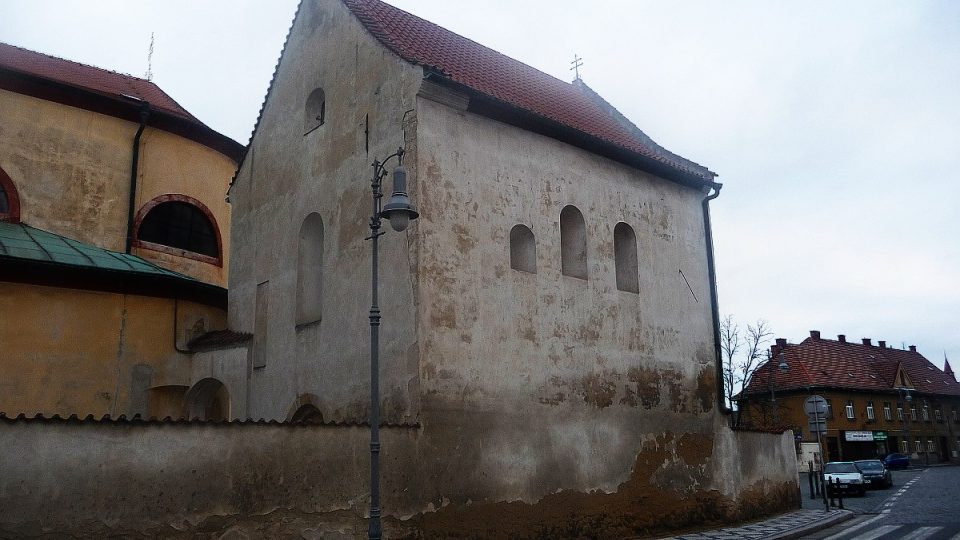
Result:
pixel 874 473
pixel 896 461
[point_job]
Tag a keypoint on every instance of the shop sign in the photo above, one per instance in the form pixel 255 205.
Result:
pixel 879 435
pixel 859 436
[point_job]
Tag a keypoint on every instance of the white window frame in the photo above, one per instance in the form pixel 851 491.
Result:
pixel 926 413
pixel 918 444
pixel 904 444
pixel 870 413
pixel 887 413
pixel 938 414
pixel 930 447
pixel 913 414
pixel 851 412
pixel 900 412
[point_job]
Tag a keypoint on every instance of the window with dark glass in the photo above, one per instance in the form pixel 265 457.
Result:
pixel 180 225
pixel 4 201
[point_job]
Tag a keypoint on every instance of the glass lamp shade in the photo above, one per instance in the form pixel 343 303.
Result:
pixel 400 211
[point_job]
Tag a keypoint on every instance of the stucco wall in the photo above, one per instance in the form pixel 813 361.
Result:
pixel 183 480
pixel 288 175
pixel 68 351
pixel 71 168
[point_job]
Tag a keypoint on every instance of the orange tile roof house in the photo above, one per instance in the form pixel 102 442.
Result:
pixel 898 397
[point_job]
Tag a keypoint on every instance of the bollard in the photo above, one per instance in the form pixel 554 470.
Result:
pixel 813 494
pixel 823 491
pixel 839 494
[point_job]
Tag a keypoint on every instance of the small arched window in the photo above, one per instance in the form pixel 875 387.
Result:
pixel 310 270
pixel 181 222
pixel 523 249
pixel 315 111
pixel 573 243
pixel 9 200
pixel 625 254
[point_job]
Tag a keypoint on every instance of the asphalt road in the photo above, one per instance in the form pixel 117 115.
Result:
pixel 924 504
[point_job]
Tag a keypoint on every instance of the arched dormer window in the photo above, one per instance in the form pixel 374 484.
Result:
pixel 315 111
pixel 573 243
pixel 310 270
pixel 180 225
pixel 625 257
pixel 9 200
pixel 523 249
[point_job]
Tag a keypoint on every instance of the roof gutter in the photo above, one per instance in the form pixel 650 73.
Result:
pixel 714 307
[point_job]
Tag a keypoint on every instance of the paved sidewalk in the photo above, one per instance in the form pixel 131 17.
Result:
pixel 791 525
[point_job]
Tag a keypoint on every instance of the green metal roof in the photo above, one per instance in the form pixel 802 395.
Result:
pixel 26 243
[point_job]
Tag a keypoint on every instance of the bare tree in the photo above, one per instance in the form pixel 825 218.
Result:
pixel 742 352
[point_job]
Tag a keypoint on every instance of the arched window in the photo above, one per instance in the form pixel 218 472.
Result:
pixel 208 399
pixel 9 200
pixel 310 270
pixel 625 253
pixel 181 222
pixel 315 111
pixel 573 243
pixel 307 414
pixel 523 249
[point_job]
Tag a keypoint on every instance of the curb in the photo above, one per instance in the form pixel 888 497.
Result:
pixel 841 516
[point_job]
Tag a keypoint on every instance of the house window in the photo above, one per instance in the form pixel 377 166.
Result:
pixel 930 447
pixel 523 249
pixel 829 408
pixel 851 414
pixel 9 200
pixel 315 111
pixel 913 414
pixel 903 446
pixel 938 414
pixel 887 413
pixel 870 415
pixel 918 445
pixel 310 270
pixel 573 243
pixel 625 255
pixel 954 413
pixel 900 412
pixel 181 222
pixel 926 413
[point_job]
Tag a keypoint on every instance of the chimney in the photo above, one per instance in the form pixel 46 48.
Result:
pixel 778 346
pixel 913 348
pixel 866 341
pixel 815 334
pixel 883 344
pixel 842 338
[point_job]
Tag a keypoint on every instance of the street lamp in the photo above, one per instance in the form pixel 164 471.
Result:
pixel 399 211
pixel 783 367
pixel 926 443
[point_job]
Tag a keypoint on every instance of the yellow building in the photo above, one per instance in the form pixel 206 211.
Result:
pixel 880 400
pixel 113 241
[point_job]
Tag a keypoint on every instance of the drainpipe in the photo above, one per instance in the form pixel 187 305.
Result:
pixel 714 308
pixel 144 114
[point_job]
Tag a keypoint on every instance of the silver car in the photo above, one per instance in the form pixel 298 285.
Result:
pixel 843 477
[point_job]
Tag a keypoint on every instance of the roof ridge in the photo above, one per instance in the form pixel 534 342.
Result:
pixel 62 59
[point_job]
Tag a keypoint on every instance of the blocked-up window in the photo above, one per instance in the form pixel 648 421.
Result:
pixel 625 257
pixel 573 243
pixel 523 249
pixel 310 270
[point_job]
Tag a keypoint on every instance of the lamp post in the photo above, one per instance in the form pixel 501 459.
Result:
pixel 783 367
pixel 909 400
pixel 926 443
pixel 399 211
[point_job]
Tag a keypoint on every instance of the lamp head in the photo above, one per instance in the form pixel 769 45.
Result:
pixel 400 211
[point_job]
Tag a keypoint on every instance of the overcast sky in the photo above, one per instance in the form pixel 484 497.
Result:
pixel 834 126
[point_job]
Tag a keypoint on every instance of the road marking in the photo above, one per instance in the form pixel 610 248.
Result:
pixel 853 529
pixel 955 537
pixel 876 533
pixel 922 532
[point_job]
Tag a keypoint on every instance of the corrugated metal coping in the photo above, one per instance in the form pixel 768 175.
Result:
pixel 138 420
pixel 21 241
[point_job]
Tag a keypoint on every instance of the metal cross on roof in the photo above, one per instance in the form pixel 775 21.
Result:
pixel 577 62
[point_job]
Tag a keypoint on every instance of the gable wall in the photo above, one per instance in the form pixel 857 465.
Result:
pixel 286 176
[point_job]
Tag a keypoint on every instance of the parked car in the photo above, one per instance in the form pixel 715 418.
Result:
pixel 874 473
pixel 843 477
pixel 896 461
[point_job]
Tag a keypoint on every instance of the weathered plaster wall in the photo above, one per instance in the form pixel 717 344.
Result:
pixel 71 168
pixel 58 359
pixel 563 379
pixel 185 480
pixel 288 175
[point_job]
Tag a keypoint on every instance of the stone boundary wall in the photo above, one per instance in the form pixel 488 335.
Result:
pixel 97 478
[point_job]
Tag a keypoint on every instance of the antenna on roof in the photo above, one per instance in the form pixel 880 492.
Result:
pixel 149 74
pixel 577 62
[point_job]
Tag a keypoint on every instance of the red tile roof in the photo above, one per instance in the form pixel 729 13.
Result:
pixel 104 91
pixel 509 81
pixel 826 363
pixel 93 79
